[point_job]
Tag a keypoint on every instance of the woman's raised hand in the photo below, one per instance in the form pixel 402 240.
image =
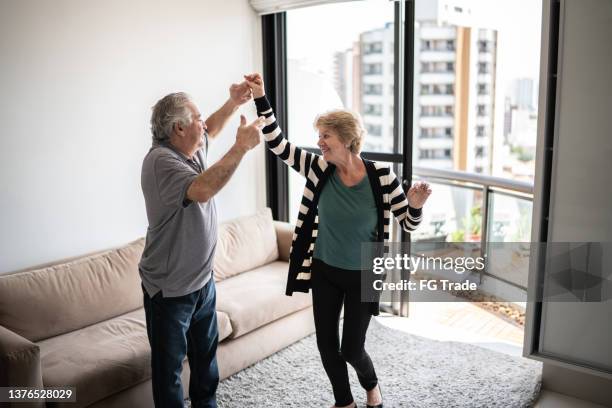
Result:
pixel 418 194
pixel 256 83
pixel 240 93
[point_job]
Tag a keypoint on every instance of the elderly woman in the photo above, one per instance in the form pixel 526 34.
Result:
pixel 347 201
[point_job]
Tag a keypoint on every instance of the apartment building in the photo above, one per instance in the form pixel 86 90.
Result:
pixel 454 82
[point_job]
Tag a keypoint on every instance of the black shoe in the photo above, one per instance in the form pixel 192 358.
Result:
pixel 379 405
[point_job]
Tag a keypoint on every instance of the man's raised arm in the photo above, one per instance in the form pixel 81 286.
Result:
pixel 207 184
pixel 239 94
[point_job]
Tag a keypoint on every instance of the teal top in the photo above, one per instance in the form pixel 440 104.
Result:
pixel 347 218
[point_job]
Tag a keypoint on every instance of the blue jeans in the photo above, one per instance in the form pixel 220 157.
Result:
pixel 179 326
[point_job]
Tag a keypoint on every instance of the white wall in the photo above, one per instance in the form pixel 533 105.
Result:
pixel 77 81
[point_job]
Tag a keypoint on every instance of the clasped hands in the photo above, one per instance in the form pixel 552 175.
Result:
pixel 252 86
pixel 248 135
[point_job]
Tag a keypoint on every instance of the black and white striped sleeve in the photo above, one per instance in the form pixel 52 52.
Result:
pixel 408 218
pixel 298 159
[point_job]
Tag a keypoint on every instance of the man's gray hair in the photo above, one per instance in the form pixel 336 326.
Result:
pixel 168 111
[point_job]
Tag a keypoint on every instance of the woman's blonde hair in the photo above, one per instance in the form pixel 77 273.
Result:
pixel 347 124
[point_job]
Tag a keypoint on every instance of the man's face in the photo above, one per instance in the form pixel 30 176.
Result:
pixel 194 133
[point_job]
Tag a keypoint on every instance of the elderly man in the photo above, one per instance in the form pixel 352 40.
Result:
pixel 177 262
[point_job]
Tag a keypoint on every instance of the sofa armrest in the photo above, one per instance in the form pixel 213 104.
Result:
pixel 284 236
pixel 19 361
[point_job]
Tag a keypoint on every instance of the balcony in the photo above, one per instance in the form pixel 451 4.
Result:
pixel 485 210
pixel 436 121
pixel 437 55
pixel 438 33
pixel 484 99
pixel 442 142
pixel 437 77
pixel 484 78
pixel 437 100
pixel 483 120
pixel 487 57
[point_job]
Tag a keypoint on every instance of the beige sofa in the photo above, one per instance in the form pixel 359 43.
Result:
pixel 81 323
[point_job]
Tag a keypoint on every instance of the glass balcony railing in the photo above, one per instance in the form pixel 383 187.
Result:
pixel 469 207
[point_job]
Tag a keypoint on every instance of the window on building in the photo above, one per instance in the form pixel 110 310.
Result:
pixel 373 48
pixel 483 46
pixel 372 69
pixel 372 89
pixel 483 68
pixel 374 130
pixel 483 89
pixel 450 45
pixel 480 131
pixel 436 154
pixel 481 110
pixel 372 109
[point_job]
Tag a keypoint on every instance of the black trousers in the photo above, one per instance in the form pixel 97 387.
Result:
pixel 331 289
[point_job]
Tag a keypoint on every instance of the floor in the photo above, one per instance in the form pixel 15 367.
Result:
pixel 466 322
pixel 549 399
pixel 459 321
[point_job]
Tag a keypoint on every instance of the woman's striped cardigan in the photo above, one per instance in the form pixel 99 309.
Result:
pixel 388 194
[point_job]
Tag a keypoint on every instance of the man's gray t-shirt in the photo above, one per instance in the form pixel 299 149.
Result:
pixel 182 235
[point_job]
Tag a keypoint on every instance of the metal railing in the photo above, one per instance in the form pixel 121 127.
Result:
pixel 453 177
pixel 487 185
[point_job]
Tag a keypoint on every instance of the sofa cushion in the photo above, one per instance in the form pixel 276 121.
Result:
pixel 105 358
pixel 257 297
pixel 245 243
pixel 45 302
pixel 224 324
pixel 284 237
pixel 99 360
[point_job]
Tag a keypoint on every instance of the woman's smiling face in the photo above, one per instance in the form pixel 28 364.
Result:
pixel 330 144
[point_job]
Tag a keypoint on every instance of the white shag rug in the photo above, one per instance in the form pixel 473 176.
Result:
pixel 413 372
